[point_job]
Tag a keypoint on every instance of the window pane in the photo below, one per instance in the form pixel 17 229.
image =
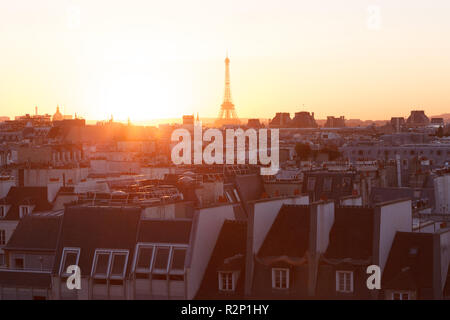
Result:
pixel 226 280
pixel 161 259
pixel 311 183
pixel 70 259
pixel 19 263
pixel 178 258
pixel 118 264
pixel 101 267
pixel 327 183
pixel 145 257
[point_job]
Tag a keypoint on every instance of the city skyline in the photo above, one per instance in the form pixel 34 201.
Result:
pixel 365 60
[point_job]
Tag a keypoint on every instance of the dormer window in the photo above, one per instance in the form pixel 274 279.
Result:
pixel 344 281
pixel 160 261
pixel 24 211
pixel 227 280
pixel 2 237
pixel 280 278
pixel 401 295
pixel 109 264
pixel 70 257
pixel 413 252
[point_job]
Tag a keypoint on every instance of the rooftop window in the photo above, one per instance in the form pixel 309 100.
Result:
pixel 109 264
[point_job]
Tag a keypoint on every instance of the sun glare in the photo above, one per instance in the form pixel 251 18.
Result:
pixel 136 96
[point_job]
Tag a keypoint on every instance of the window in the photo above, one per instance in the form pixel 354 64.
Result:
pixel 178 257
pixel 2 237
pixel 405 163
pixel 413 251
pixel 344 281
pixel 118 265
pixel 70 257
pixel 23 211
pixel 2 211
pixel 19 263
pixel 2 259
pixel 327 183
pixel 280 278
pixel 109 264
pixel 311 183
pixel 101 265
pixel 400 296
pixel 144 258
pixel 346 183
pixel 160 260
pixel 226 281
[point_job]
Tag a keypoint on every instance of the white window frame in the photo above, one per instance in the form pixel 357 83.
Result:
pixel 115 276
pixel 344 273
pixel 140 246
pixel 280 271
pixel 2 237
pixel 63 259
pixel 401 293
pixel 171 246
pixel 223 274
pixel 169 257
pixel 176 271
pixel 22 209
pixel 110 253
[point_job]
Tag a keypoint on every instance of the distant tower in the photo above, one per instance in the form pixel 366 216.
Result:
pixel 57 116
pixel 227 114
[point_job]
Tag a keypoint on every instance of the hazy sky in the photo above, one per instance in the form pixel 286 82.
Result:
pixel 159 59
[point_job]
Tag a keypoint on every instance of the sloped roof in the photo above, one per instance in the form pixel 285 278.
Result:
pixel 341 184
pixel 165 231
pixel 250 187
pixel 35 233
pixel 25 195
pixel 228 255
pixel 352 233
pixel 91 228
pixel 410 262
pixel 289 234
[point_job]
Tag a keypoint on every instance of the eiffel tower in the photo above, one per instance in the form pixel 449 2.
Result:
pixel 227 114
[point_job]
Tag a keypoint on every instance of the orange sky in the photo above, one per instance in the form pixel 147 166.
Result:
pixel 161 59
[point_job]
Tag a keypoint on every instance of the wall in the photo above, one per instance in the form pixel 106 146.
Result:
pixel 206 228
pixel 393 217
pixel 265 213
pixel 156 173
pixel 323 214
pixel 92 186
pixel 159 212
pixel 41 177
pixel 5 185
pixel 351 201
pixel 444 256
pixel 262 214
pixel 282 188
pixel 9 226
pixel 442 193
